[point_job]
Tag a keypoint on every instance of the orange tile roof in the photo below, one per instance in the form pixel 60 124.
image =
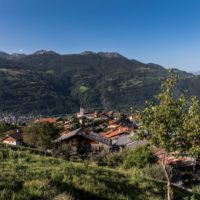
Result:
pixel 112 122
pixel 50 120
pixel 14 136
pixel 173 159
pixel 115 132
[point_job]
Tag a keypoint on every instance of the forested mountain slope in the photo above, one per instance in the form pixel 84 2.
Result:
pixel 48 83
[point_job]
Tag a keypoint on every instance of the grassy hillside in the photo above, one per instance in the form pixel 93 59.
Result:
pixel 26 176
pixel 50 83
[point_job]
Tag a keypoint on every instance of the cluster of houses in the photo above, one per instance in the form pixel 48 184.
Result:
pixel 97 131
pixel 100 131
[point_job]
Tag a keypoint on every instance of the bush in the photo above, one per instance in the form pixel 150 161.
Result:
pixel 196 189
pixel 1 156
pixel 154 172
pixel 71 151
pixel 64 196
pixel 139 157
pixel 108 158
pixel 6 127
pixel 40 135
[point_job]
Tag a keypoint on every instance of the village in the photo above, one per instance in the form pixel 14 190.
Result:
pixel 98 130
pixel 94 132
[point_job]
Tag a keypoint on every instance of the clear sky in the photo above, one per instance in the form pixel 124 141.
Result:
pixel 166 32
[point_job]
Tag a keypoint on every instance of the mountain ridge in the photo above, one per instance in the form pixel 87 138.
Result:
pixel 111 54
pixel 46 82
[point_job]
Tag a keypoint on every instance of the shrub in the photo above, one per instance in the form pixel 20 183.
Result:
pixel 71 151
pixel 196 189
pixel 6 127
pixel 40 135
pixel 154 172
pixel 139 157
pixel 1 156
pixel 108 158
pixel 64 196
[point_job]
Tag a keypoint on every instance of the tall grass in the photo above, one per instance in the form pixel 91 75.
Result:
pixel 27 176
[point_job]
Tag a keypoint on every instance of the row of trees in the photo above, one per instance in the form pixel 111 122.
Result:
pixel 173 123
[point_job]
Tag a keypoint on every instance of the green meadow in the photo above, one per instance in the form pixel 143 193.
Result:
pixel 30 176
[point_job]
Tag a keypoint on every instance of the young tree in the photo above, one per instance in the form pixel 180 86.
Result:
pixel 139 157
pixel 191 129
pixel 170 125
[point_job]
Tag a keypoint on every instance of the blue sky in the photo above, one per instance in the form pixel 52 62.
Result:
pixel 166 32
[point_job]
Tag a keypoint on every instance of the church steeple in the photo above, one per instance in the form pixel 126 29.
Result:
pixel 81 111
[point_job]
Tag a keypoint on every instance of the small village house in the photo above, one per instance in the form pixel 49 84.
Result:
pixel 13 139
pixel 91 140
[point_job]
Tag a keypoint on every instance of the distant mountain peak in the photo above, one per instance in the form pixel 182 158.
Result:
pixel 41 52
pixel 17 55
pixel 104 54
pixel 13 56
pixel 110 54
pixel 196 73
pixel 4 55
pixel 88 53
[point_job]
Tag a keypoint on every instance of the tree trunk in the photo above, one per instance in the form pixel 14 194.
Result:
pixel 169 190
pixel 194 166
